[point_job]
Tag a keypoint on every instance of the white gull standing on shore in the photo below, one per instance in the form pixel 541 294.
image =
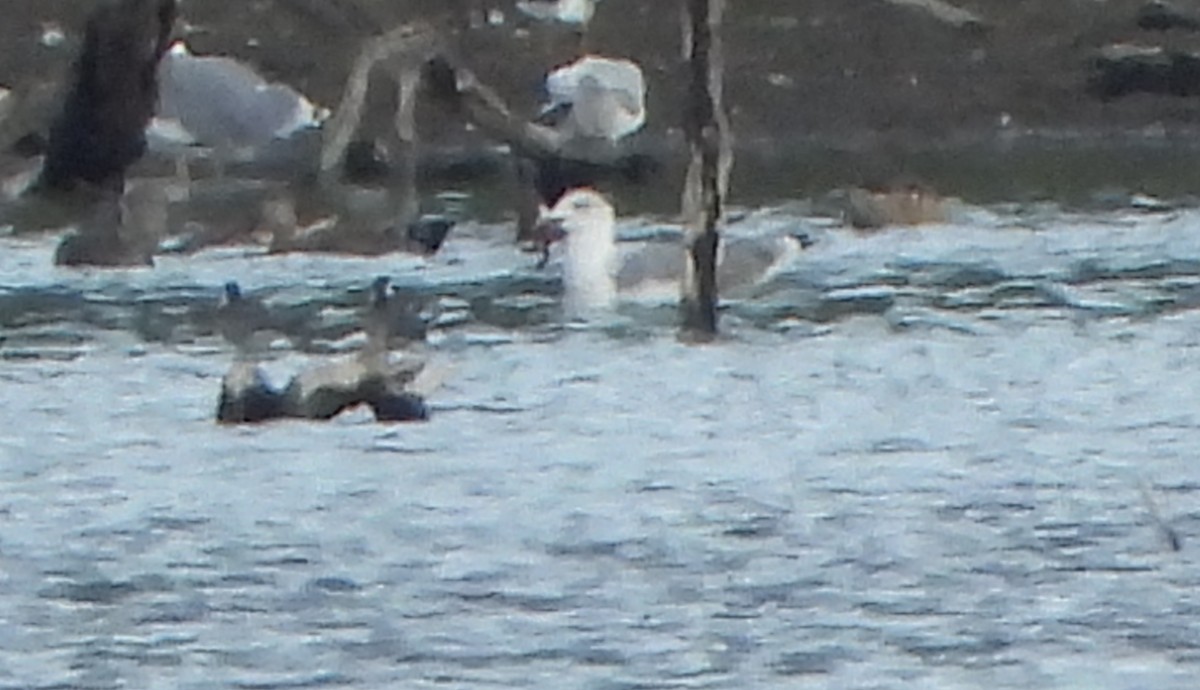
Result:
pixel 565 11
pixel 596 98
pixel 596 269
pixel 222 103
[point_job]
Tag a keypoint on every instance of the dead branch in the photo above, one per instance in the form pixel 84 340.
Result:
pixel 419 47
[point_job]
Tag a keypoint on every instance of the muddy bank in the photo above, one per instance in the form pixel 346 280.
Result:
pixel 869 76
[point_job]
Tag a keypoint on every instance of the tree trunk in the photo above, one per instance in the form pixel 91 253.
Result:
pixel 706 125
pixel 113 93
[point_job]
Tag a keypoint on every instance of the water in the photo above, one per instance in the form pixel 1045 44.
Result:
pixel 915 460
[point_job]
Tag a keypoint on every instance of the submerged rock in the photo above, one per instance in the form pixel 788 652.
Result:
pixel 120 232
pixel 912 205
pixel 1122 69
pixel 324 391
pixel 247 397
pixel 367 232
pixel 319 393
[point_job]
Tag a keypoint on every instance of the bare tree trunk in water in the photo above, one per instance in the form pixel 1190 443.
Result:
pixel 706 125
pixel 113 91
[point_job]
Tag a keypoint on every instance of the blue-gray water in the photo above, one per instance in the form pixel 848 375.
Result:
pixel 919 459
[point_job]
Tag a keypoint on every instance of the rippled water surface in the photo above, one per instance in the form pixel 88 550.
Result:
pixel 924 458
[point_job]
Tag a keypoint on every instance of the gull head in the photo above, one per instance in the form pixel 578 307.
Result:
pixel 230 294
pixel 581 216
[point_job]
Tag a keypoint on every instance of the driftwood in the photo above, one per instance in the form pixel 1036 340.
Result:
pixel 420 47
pixel 417 54
pixel 405 46
pixel 706 125
pixel 113 93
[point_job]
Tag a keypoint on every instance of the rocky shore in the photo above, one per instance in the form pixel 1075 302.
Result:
pixel 870 73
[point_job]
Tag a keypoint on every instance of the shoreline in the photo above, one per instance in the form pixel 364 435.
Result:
pixel 820 67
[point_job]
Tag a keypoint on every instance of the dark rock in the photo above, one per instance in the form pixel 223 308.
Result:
pixel 247 397
pixel 318 393
pixel 120 232
pixel 313 396
pixel 100 129
pixel 399 407
pixel 326 390
pixel 1122 69
pixel 1158 15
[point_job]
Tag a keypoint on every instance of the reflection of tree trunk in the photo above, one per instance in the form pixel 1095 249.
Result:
pixel 706 125
pixel 528 201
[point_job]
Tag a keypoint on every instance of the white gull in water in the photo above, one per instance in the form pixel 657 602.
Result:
pixel 222 103
pixel 596 98
pixel 565 11
pixel 596 269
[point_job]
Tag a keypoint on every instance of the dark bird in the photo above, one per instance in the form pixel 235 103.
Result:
pixel 239 318
pixel 393 318
pixel 426 234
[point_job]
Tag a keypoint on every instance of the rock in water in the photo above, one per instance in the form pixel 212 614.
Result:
pixel 100 129
pixel 122 231
pixel 325 390
pixel 248 397
pixel 402 407
pixel 1121 69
